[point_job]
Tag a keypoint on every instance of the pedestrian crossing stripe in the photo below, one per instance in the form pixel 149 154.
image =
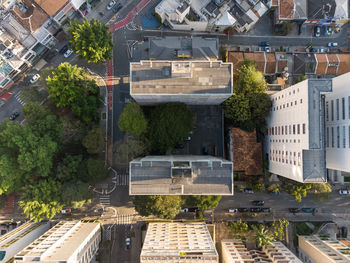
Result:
pixel 18 98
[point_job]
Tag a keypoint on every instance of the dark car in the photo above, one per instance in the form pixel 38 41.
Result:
pixel 266 209
pixel 344 232
pixel 243 210
pixel 307 210
pixel 64 49
pixel 294 210
pixel 255 209
pixel 13 116
pixel 205 151
pixel 258 202
pixel 248 191
pixel 117 8
pixel 338 232
pixel 179 146
pixel 264 43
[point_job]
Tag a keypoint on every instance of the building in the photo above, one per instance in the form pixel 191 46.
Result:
pixel 178 242
pixel 322 249
pixel 296 132
pixel 67 241
pixel 207 15
pixel 291 11
pixel 338 130
pixel 20 237
pixel 234 251
pixel 190 82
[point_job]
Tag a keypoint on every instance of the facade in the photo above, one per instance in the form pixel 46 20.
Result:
pixel 67 241
pixel 180 175
pixel 190 82
pixel 20 237
pixel 178 242
pixel 296 132
pixel 338 130
pixel 279 253
pixel 319 249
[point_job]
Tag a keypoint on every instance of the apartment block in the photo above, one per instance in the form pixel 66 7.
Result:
pixel 178 242
pixel 67 241
pixel 296 131
pixel 20 237
pixel 190 82
pixel 338 130
pixel 322 249
pixel 279 253
pixel 181 175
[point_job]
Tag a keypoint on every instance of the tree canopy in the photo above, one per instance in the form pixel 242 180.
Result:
pixel 163 206
pixel 76 193
pixel 132 120
pixel 169 124
pixel 203 202
pixel 30 94
pixel 94 141
pixel 248 79
pixel 91 40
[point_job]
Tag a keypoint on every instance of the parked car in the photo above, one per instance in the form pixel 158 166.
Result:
pixel 320 50
pixel 13 116
pixel 264 43
pixel 187 139
pixel 329 31
pixel 344 192
pixel 179 146
pixel 317 31
pixel 267 49
pixel 266 209
pixel 294 210
pixel 68 53
pixel 34 78
pixel 63 49
pixel 127 242
pixel 344 232
pixel 307 210
pixel 332 44
pixel 190 209
pixel 117 8
pixel 111 4
pixel 255 209
pixel 258 202
pixel 243 209
pixel 248 191
pixel 232 210
pixel 66 211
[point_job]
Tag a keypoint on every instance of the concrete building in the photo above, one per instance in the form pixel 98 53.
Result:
pixel 338 130
pixel 181 175
pixel 67 241
pixel 178 242
pixel 190 82
pixel 322 249
pixel 20 237
pixel 279 253
pixel 296 132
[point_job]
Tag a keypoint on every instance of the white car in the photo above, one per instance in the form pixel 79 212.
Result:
pixel 332 44
pixel 68 53
pixel 127 242
pixel 111 4
pixel 233 210
pixel 34 78
pixel 344 192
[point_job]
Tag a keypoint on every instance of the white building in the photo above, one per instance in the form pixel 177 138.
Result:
pixel 338 130
pixel 67 241
pixel 190 82
pixel 296 129
pixel 20 237
pixel 178 242
pixel 279 253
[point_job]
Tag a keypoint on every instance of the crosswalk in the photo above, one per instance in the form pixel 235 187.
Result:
pixel 125 219
pixel 121 179
pixel 105 200
pixel 18 98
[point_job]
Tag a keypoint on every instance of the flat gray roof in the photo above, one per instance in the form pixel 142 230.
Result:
pixel 181 175
pixel 180 77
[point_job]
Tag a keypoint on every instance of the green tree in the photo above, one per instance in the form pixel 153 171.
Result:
pixel 75 194
pixel 68 168
pixel 92 170
pixel 91 40
pixel 168 125
pixel 30 94
pixel 132 120
pixel 41 199
pixel 163 206
pixel 300 78
pixel 33 111
pixel 299 191
pixel 260 106
pixel 262 235
pixel 279 228
pixel 238 228
pixel 94 141
pixel 237 109
pixel 321 188
pixel 129 148
pixel 274 188
pixel 203 202
pixel 249 80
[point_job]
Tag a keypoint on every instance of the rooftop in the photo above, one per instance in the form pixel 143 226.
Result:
pixel 51 7
pixel 292 9
pixel 180 77
pixel 181 175
pixel 327 9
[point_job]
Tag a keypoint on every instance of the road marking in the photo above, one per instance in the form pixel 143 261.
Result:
pixel 105 200
pixel 18 98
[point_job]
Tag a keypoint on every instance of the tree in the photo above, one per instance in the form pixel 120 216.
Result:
pixel 238 228
pixel 249 80
pixel 274 188
pixel 169 124
pixel 132 120
pixel 30 94
pixel 299 191
pixel 68 168
pixel 237 109
pixel 94 141
pixel 92 170
pixel 91 40
pixel 260 106
pixel 279 229
pixel 76 193
pixel 130 148
pixel 41 199
pixel 163 206
pixel 33 111
pixel 300 78
pixel 262 235
pixel 321 188
pixel 203 202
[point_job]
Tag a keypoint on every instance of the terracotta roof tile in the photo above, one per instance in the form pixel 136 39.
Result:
pixel 236 58
pixel 274 3
pixel 258 57
pixel 270 63
pixel 321 63
pixel 51 6
pixel 344 66
pixel 333 63
pixel 286 9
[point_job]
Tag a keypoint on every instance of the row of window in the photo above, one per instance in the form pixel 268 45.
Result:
pixel 285 157
pixel 282 96
pixel 337 109
pixel 287 129
pixel 286 105
pixel 336 137
pixel 286 140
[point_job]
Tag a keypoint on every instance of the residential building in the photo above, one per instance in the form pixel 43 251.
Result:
pixel 180 175
pixel 338 130
pixel 291 11
pixel 207 15
pixel 322 249
pixel 67 241
pixel 14 241
pixel 296 131
pixel 178 242
pixel 279 253
pixel 234 251
pixel 190 82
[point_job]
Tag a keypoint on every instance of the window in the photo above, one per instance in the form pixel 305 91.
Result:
pixel 332 135
pixel 338 137
pixel 301 101
pixel 349 106
pixel 293 129
pixel 285 129
pixel 332 110
pixel 344 137
pixel 343 108
pixel 279 130
pixel 327 117
pixel 304 128
pixel 298 128
pixel 290 129
pixel 327 136
pixel 337 108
